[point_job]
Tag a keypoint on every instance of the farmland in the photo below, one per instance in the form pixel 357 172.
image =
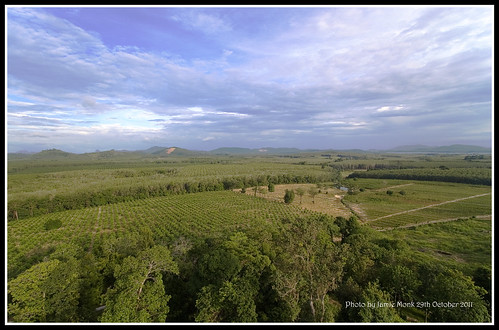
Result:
pixel 94 217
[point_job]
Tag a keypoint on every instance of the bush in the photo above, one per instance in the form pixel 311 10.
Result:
pixel 389 192
pixel 52 224
pixel 289 196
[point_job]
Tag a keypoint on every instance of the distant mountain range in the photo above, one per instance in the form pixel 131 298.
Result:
pixel 455 148
pixel 180 152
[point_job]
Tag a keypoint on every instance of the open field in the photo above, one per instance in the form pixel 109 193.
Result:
pixel 412 202
pixel 465 243
pixel 327 201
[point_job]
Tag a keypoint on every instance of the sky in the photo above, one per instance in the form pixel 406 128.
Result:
pixel 91 78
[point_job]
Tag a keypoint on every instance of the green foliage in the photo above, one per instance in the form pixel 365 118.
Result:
pixel 452 286
pixel 62 292
pixel 309 267
pixel 381 312
pixel 482 176
pixel 139 294
pixel 289 196
pixel 161 254
pixel 347 227
pixel 52 224
pixel 27 302
pixel 231 296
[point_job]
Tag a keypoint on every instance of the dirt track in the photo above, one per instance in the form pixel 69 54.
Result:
pixel 434 221
pixel 392 187
pixel 428 206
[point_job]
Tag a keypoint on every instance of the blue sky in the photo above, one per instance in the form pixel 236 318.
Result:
pixel 87 78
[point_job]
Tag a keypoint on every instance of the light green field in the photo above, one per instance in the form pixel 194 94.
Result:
pixel 414 202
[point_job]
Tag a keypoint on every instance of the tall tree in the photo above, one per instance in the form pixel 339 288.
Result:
pixel 309 267
pixel 455 287
pixel 139 294
pixel 231 293
pixel 62 292
pixel 26 293
pixel 313 191
pixel 377 306
pixel 300 192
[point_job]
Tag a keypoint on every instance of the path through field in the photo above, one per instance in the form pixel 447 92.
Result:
pixel 489 217
pixel 392 187
pixel 428 206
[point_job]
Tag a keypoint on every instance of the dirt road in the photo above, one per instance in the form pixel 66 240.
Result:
pixel 428 206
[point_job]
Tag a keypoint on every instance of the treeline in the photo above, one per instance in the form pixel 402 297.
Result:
pixel 481 176
pixel 313 269
pixel 34 206
pixel 367 166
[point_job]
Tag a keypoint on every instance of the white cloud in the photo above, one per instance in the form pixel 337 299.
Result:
pixel 330 70
pixel 390 108
pixel 201 21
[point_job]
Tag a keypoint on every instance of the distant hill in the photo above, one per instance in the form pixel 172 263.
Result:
pixel 156 151
pixel 51 154
pixel 259 151
pixel 455 148
pixel 170 151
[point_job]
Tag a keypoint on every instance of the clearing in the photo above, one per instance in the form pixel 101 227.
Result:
pixel 328 201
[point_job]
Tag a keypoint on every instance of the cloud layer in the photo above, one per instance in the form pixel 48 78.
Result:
pixel 81 79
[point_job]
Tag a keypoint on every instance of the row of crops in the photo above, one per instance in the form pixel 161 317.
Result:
pixel 194 216
pixel 481 176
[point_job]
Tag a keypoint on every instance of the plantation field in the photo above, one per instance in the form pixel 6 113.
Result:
pixel 412 202
pixel 67 181
pixel 192 216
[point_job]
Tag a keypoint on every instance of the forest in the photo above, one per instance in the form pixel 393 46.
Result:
pixel 190 239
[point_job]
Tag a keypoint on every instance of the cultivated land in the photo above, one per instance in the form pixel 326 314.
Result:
pixel 110 206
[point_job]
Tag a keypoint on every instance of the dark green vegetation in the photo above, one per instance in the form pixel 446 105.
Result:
pixel 159 237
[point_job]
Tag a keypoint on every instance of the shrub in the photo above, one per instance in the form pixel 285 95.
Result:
pixel 289 196
pixel 52 224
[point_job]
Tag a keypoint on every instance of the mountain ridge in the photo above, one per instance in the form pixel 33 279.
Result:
pixel 182 152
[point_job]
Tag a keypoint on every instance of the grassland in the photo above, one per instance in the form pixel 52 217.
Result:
pixel 327 201
pixel 464 244
pixel 412 202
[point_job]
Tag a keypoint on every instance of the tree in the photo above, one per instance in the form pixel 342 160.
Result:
pixel 91 288
pixel 271 187
pixel 27 295
pixel 382 311
pixel 400 281
pixel 313 191
pixel 289 196
pixel 455 287
pixel 309 267
pixel 62 292
pixel 347 226
pixel 300 192
pixel 139 294
pixel 233 272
